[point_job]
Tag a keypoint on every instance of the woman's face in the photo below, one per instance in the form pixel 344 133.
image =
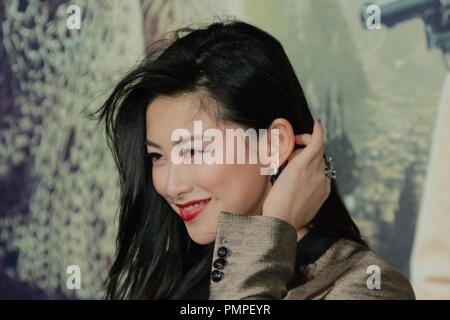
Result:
pixel 232 187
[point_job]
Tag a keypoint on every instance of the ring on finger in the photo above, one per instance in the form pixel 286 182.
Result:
pixel 330 171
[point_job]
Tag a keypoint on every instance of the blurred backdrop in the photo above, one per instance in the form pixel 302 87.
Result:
pixel 376 91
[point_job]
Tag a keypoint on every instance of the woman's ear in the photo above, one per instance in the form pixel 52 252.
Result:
pixel 286 140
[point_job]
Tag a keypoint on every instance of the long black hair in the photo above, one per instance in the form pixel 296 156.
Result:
pixel 248 73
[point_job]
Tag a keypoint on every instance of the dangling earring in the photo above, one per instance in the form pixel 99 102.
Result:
pixel 272 179
pixel 275 176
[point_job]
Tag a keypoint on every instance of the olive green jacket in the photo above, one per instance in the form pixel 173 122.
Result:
pixel 260 259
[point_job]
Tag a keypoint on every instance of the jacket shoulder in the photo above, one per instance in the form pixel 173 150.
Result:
pixel 349 270
pixel 367 276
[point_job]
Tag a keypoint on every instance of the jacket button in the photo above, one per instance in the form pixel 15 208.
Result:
pixel 222 252
pixel 220 263
pixel 216 275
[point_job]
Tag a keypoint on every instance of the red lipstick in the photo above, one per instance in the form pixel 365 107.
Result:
pixel 190 214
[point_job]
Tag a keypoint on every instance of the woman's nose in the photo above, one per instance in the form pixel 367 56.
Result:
pixel 177 182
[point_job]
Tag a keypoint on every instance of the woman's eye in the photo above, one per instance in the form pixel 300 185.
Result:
pixel 154 157
pixel 151 156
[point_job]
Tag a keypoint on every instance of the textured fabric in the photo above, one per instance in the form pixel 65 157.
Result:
pixel 59 185
pixel 261 259
pixel 261 265
pixel 309 249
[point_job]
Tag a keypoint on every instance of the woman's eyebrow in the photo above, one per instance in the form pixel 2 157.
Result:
pixel 148 142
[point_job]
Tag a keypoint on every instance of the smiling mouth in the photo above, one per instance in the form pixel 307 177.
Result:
pixel 189 213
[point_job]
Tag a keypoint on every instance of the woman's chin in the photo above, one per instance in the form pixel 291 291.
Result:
pixel 202 239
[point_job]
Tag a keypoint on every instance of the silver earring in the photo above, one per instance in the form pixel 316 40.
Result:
pixel 330 171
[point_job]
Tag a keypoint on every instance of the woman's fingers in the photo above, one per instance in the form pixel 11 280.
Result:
pixel 319 155
pixel 314 144
pixel 303 139
pixel 294 153
pixel 317 138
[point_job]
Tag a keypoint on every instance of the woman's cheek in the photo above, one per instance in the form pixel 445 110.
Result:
pixel 211 177
pixel 158 181
pixel 237 187
pixel 250 188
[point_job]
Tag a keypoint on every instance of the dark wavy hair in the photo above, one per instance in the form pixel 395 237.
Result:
pixel 248 73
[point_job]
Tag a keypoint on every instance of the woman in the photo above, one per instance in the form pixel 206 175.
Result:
pixel 246 238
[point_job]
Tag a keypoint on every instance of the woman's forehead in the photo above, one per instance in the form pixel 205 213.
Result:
pixel 166 114
pixel 169 113
pixel 180 111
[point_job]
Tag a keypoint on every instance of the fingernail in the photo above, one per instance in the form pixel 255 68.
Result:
pixel 319 121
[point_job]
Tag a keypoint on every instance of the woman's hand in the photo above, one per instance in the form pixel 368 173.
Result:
pixel 302 187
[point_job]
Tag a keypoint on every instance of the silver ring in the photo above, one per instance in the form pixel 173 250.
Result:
pixel 330 172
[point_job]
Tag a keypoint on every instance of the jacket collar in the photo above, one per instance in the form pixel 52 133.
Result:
pixel 310 248
pixel 318 277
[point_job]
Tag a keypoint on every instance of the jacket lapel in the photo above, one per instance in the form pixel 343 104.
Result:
pixel 319 276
